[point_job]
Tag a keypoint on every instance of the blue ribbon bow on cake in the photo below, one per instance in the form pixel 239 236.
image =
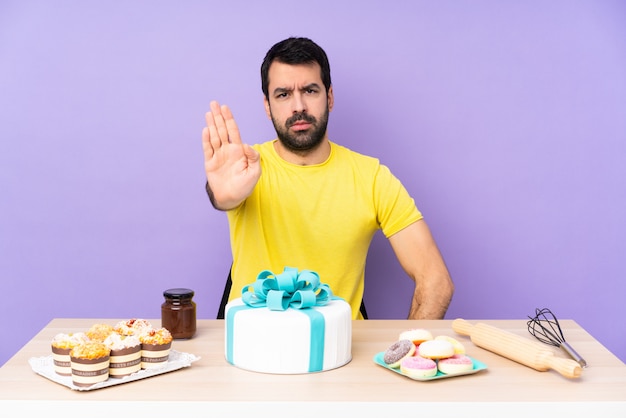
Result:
pixel 288 289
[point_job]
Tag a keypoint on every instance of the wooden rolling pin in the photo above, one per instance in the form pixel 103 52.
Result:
pixel 516 348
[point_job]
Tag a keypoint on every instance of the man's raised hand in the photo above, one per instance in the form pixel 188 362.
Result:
pixel 232 168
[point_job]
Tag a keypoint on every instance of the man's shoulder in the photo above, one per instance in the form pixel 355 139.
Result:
pixel 343 152
pixel 263 146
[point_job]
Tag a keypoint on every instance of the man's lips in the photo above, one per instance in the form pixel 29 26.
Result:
pixel 301 126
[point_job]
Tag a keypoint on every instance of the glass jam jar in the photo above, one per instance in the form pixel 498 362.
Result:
pixel 178 313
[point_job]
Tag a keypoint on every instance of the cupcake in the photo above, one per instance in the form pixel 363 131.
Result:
pixel 61 346
pixel 132 327
pixel 90 363
pixel 125 356
pixel 99 332
pixel 155 348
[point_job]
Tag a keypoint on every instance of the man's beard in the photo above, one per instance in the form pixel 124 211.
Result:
pixel 300 142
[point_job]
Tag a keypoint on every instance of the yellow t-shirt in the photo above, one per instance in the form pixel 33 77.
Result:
pixel 320 217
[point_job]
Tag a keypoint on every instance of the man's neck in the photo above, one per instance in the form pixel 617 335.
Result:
pixel 313 156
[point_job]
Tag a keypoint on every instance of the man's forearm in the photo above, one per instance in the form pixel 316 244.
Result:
pixel 433 306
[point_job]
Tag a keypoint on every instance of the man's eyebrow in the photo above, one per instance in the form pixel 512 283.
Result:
pixel 279 90
pixel 311 86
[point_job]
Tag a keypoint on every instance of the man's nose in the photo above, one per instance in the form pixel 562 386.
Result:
pixel 299 104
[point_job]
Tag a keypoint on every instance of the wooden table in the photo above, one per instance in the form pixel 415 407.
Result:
pixel 213 387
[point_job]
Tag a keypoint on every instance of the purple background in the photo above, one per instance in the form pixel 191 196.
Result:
pixel 505 120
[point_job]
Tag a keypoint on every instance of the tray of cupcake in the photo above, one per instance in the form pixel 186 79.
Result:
pixel 107 355
pixel 418 355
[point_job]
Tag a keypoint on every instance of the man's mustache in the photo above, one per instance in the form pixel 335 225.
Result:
pixel 300 117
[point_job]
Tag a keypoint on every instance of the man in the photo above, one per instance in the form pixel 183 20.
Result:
pixel 303 201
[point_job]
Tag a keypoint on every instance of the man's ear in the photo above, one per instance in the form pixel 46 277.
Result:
pixel 266 103
pixel 331 98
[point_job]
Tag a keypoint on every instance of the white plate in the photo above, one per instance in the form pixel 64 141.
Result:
pixel 44 366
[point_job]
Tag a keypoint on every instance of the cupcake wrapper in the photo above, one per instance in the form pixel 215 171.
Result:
pixel 154 356
pixel 87 372
pixel 125 361
pixel 61 360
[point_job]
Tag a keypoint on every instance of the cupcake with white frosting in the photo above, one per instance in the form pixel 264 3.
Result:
pixel 125 356
pixel 133 327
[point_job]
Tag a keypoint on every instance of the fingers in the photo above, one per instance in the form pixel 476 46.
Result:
pixel 221 126
pixel 220 123
pixel 231 125
pixel 216 126
pixel 206 144
pixel 251 153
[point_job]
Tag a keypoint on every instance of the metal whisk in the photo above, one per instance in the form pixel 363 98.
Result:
pixel 545 327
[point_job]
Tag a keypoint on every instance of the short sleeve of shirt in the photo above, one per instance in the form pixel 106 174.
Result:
pixel 395 207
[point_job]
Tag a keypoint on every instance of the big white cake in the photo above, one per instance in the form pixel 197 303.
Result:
pixel 290 341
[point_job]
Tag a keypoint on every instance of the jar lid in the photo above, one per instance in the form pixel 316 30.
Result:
pixel 178 293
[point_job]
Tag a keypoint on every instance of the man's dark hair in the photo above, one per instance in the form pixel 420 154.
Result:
pixel 294 51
